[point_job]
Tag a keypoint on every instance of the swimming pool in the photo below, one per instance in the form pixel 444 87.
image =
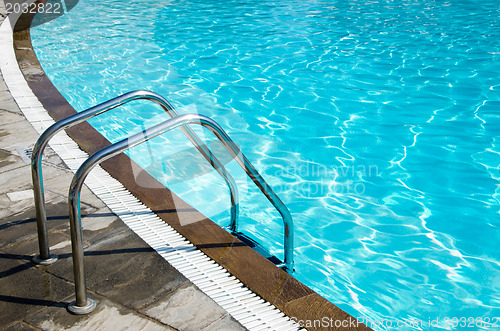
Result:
pixel 376 122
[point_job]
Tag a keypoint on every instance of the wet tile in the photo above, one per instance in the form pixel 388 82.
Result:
pixel 9 161
pixel 107 316
pixel 27 246
pixel 126 270
pixel 7 103
pixel 13 232
pixel 22 226
pixel 97 225
pixel 17 179
pixel 19 326
pixel 190 309
pixel 9 117
pixel 15 210
pixel 26 289
pixel 10 138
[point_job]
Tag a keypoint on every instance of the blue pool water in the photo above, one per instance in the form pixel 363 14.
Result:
pixel 377 122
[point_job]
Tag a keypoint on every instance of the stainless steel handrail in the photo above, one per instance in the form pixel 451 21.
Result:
pixel 45 257
pixel 83 305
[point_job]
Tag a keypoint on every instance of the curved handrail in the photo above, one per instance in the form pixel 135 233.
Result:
pixel 82 305
pixel 36 161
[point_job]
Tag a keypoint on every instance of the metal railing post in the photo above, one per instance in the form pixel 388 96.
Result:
pixel 45 257
pixel 83 305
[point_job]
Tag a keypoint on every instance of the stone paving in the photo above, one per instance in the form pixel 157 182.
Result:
pixel 135 288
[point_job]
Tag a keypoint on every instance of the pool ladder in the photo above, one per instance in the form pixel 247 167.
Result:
pixel 83 305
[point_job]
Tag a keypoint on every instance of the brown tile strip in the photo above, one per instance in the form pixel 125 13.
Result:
pixel 262 276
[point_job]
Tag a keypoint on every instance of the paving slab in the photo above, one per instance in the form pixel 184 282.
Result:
pixel 107 316
pixel 6 101
pixel 11 208
pixel 51 158
pixel 26 289
pixel 8 160
pixel 22 226
pixel 175 309
pixel 20 195
pixel 58 180
pixel 17 135
pixel 8 117
pixel 18 179
pixel 97 225
pixel 19 326
pixel 21 238
pixel 126 270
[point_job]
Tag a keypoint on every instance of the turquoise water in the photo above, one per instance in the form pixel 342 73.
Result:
pixel 377 122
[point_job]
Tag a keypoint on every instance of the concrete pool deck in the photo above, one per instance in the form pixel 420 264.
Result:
pixel 133 284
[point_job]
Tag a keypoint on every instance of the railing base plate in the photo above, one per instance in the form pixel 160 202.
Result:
pixel 77 310
pixel 38 260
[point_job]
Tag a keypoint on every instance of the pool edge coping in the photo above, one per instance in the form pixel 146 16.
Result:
pixel 261 276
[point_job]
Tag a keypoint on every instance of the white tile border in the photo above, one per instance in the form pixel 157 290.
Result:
pixel 245 306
